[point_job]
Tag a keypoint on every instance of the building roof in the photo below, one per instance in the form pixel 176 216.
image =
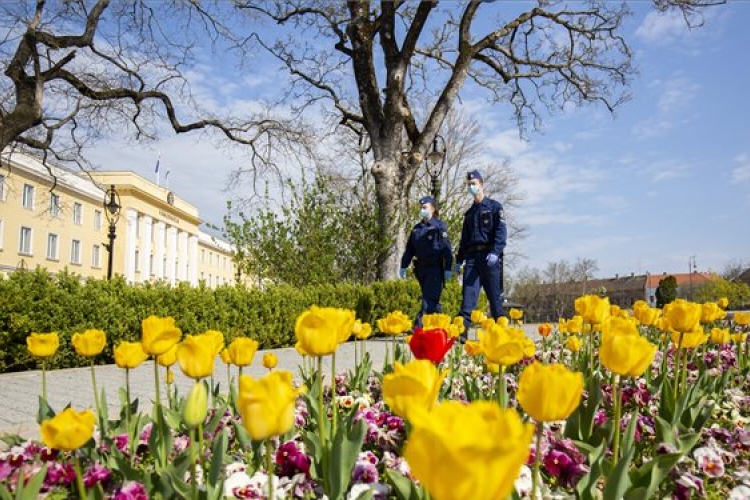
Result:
pixel 683 279
pixel 744 277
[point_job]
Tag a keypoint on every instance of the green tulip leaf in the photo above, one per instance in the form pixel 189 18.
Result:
pixel 347 443
pixel 587 484
pixel 218 452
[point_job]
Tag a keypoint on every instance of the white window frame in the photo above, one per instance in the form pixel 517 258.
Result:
pixel 75 259
pixel 53 251
pixel 97 220
pixel 77 213
pixel 30 241
pixel 54 205
pixel 27 197
pixel 96 256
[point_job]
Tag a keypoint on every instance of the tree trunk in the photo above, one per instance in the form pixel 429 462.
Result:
pixel 391 198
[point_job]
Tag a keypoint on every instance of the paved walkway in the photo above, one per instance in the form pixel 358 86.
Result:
pixel 19 392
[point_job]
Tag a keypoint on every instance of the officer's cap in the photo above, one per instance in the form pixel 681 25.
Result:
pixel 428 199
pixel 474 174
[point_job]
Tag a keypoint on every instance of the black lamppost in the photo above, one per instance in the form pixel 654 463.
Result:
pixel 112 208
pixel 436 163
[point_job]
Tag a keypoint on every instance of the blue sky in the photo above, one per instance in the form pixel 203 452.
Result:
pixel 664 179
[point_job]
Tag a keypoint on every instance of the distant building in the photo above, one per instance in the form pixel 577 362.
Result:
pixel 744 277
pixel 55 218
pixel 551 301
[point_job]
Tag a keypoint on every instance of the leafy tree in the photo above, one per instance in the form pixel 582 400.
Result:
pixel 737 293
pixel 666 292
pixel 321 235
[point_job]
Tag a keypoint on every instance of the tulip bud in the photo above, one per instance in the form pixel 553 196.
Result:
pixel 270 360
pixel 196 405
pixel 169 377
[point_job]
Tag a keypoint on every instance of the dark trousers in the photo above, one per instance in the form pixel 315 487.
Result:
pixel 477 273
pixel 431 282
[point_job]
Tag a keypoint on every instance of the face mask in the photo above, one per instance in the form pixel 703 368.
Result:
pixel 425 214
pixel 474 189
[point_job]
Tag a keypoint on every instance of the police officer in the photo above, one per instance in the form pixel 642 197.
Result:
pixel 430 249
pixel 483 238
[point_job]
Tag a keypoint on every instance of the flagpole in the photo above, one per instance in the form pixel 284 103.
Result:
pixel 166 179
pixel 156 171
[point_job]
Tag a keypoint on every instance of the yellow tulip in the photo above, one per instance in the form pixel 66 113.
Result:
pixel 478 317
pixel 472 451
pixel 361 331
pixel 529 347
pixel 435 320
pixel 723 302
pixel 168 358
pixel 225 357
pixel 473 347
pixel 195 354
pixel 644 313
pixel 158 335
pixel 413 385
pixel 270 360
pixel 710 312
pixel 742 318
pixel 300 350
pixel 683 316
pixel 549 392
pixel 574 324
pixel 319 330
pixel 562 325
pixel 218 340
pixel 503 322
pixel 593 308
pixel 515 314
pixel 488 323
pixel 614 310
pixel 43 345
pixel 267 404
pixel 573 343
pixel 626 354
pixel 690 340
pixel 169 376
pixel 616 325
pixel 242 351
pixel 458 322
pixel 720 335
pixel 196 405
pixel 500 346
pixel 452 331
pixel 739 338
pixel 89 343
pixel 68 430
pixel 129 355
pixel 395 323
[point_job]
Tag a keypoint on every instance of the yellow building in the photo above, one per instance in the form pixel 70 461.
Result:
pixel 54 218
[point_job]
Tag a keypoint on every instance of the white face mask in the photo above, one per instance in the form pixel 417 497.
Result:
pixel 425 214
pixel 474 189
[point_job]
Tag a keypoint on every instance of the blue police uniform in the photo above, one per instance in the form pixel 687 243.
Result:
pixel 430 248
pixel 484 232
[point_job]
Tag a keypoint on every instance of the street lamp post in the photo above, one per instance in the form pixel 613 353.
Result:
pixel 436 162
pixel 112 208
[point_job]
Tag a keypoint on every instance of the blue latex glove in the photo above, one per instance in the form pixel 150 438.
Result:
pixel 492 259
pixel 447 275
pixel 457 268
pixel 402 273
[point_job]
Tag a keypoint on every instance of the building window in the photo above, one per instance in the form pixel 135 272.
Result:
pixel 52 246
pixel 54 205
pixel 97 220
pixel 96 257
pixel 151 264
pixel 203 256
pixel 75 252
pixel 137 261
pixel 28 197
pixel 77 213
pixel 24 242
pixel 2 188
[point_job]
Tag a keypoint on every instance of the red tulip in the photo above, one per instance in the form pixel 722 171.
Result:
pixel 430 344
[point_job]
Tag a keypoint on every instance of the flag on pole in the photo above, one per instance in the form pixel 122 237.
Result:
pixel 156 170
pixel 166 179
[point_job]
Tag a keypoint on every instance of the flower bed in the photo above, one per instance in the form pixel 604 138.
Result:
pixel 608 404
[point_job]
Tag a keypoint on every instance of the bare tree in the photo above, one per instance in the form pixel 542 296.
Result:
pixel 734 268
pixel 76 70
pixel 584 269
pixel 395 51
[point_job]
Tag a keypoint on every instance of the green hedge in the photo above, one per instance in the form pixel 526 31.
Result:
pixel 34 301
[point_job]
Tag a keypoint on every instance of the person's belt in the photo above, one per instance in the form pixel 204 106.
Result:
pixel 478 248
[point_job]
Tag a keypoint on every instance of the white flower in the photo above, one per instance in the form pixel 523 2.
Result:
pixel 235 467
pixel 237 481
pixel 357 490
pixel 741 492
pixel 709 461
pixel 523 482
